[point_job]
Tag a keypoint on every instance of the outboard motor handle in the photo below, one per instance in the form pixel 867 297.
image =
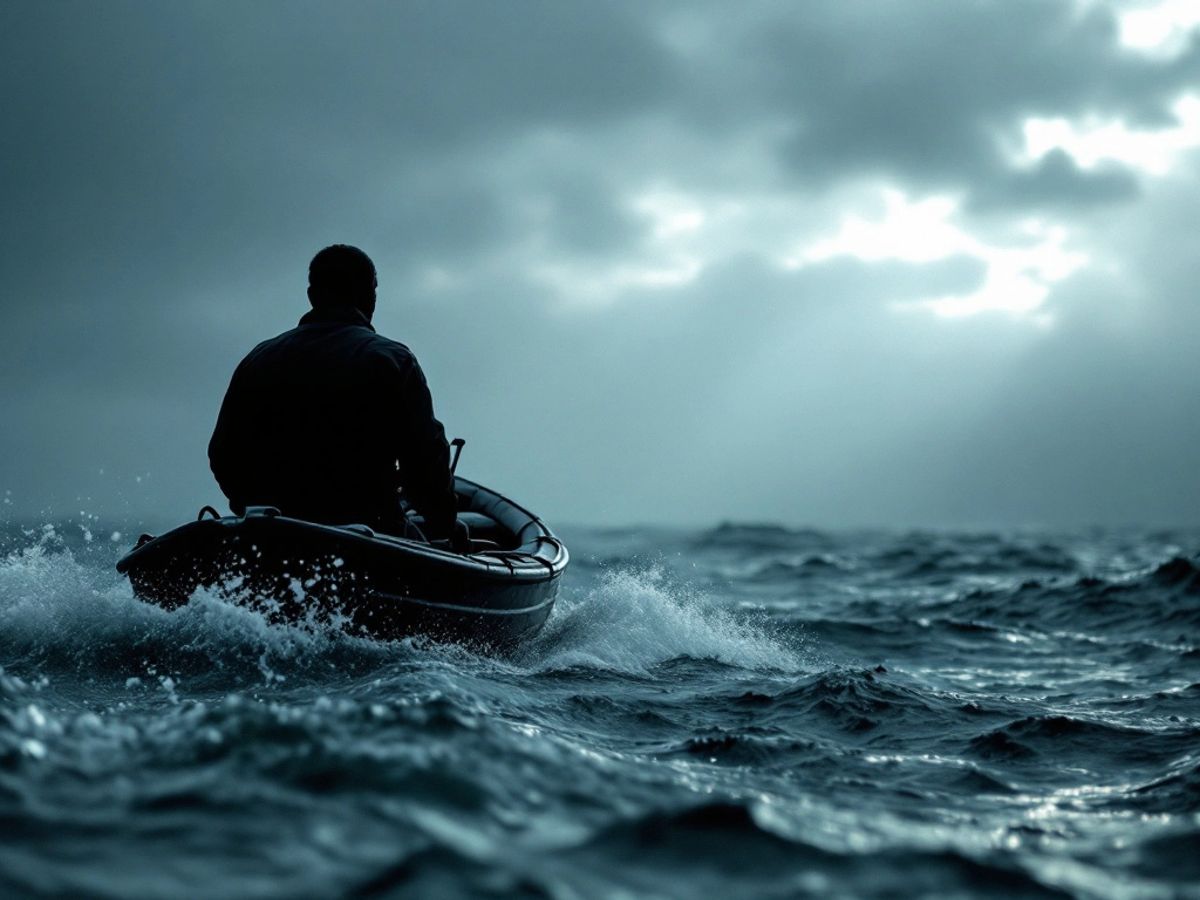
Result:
pixel 457 444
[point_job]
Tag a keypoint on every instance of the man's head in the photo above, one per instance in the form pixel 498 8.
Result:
pixel 341 275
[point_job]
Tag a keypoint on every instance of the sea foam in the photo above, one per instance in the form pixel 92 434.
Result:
pixel 633 620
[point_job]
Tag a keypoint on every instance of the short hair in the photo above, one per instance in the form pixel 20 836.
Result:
pixel 341 274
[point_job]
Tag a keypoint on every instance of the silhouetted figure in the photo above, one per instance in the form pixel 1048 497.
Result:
pixel 327 420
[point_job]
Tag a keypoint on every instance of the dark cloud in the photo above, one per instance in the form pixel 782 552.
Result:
pixel 1055 181
pixel 932 92
pixel 168 169
pixel 924 93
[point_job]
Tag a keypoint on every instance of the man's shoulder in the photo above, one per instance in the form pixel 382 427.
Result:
pixel 350 334
pixel 275 341
pixel 265 347
pixel 392 351
pixel 355 345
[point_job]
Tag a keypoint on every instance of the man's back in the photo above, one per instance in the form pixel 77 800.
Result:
pixel 325 422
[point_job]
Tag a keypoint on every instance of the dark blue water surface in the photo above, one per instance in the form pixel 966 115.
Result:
pixel 737 712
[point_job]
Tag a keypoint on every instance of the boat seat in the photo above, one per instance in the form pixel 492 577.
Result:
pixel 484 527
pixel 485 530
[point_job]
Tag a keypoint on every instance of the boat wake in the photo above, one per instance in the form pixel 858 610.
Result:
pixel 72 615
pixel 69 616
pixel 635 619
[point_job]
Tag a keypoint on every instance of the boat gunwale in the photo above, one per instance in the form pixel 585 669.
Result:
pixel 519 564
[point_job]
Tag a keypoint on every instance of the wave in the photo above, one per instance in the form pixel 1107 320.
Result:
pixel 60 616
pixel 770 853
pixel 844 704
pixel 917 555
pixel 1164 598
pixel 1061 741
pixel 761 536
pixel 632 621
pixel 759 747
pixel 1179 574
pixel 1174 794
pixel 648 854
pixel 1171 856
pixel 808 566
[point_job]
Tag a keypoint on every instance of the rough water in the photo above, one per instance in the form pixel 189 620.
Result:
pixel 737 712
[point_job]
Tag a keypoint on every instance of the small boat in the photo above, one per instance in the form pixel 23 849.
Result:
pixel 375 585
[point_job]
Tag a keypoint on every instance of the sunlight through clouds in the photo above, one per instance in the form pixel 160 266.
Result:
pixel 1091 141
pixel 687 234
pixel 684 234
pixel 1161 29
pixel 909 231
pixel 1018 279
pixel 590 284
pixel 673 214
pixel 667 260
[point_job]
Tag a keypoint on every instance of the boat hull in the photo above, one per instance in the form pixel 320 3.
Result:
pixel 374 585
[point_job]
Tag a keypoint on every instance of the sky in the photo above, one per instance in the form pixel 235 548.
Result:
pixel 907 263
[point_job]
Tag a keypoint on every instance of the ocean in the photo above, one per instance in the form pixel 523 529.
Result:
pixel 734 712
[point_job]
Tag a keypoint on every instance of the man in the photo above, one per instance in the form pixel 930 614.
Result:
pixel 327 421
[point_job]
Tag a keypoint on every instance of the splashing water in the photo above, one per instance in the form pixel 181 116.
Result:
pixel 634 620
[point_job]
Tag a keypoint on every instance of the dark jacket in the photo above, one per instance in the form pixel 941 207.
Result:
pixel 326 421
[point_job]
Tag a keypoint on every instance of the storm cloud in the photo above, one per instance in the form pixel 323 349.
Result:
pixel 900 263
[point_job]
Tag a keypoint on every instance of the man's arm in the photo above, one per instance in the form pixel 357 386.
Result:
pixel 424 455
pixel 222 453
